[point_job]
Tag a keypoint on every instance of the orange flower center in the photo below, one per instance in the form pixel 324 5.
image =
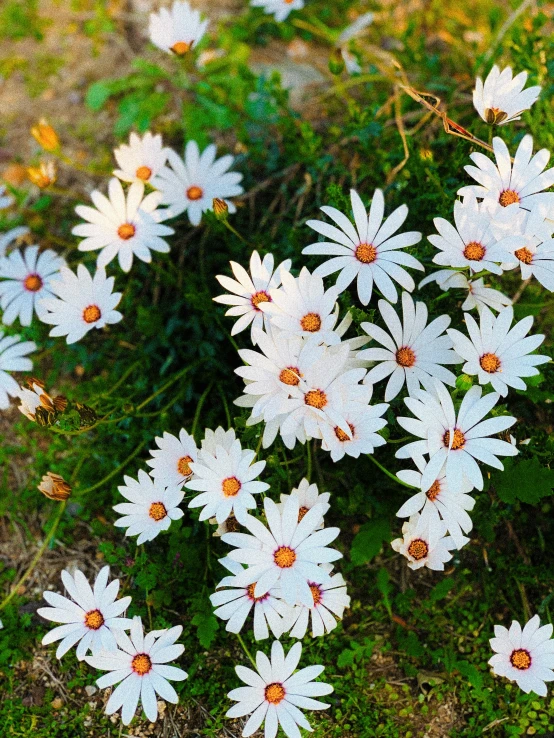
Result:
pixel 291 376
pixel 366 253
pixel 474 251
pixel 284 557
pixel 508 197
pixel 143 173
pixel 303 510
pixel 418 549
pixel 141 664
pixel 181 48
pixel 405 357
pixel 250 590
pixel 126 231
pixel 195 193
pixel 183 466
pixel 94 619
pixel 33 283
pixel 434 491
pixel 259 297
pixel 275 693
pixel 316 593
pixel 231 486
pixel 342 436
pixel 316 398
pixel 311 323
pixel 457 443
pixel 525 255
pixel 520 659
pixel 91 314
pixel 490 363
pixel 157 511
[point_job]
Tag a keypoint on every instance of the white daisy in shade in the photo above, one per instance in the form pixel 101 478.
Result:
pixel 123 225
pixel 82 303
pixel 302 307
pixel 414 353
pixel 193 184
pixel 329 603
pixel 25 278
pixel 249 290
pixel 151 507
pixel 10 236
pixel 439 502
pixel 524 183
pixel 280 9
pixel 13 358
pixel 501 98
pixel 274 693
pixel 235 603
pixel 308 497
pixel 141 665
pixel 5 199
pixel 458 441
pixel 524 656
pixel 140 159
pixel 177 29
pixel 171 461
pixel 479 295
pixel 424 543
pixel 90 617
pixel 226 480
pixel 287 552
pixel 218 437
pixel 498 353
pixel 369 250
pixel 472 243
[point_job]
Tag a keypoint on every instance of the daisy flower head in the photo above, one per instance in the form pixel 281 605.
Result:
pixel 501 99
pixel 368 250
pixel 226 480
pixel 249 290
pixel 171 461
pixel 5 199
pixel 10 236
pixel 330 600
pixel 13 358
pixel 308 497
pixel 26 278
pixel 177 29
pixel 523 183
pixel 192 184
pixel 122 225
pixel 424 543
pixel 478 294
pixel 275 693
pixel 141 665
pixel 439 502
pixel 287 552
pixel 91 617
pixel 140 159
pixel 81 303
pixel 455 441
pixel 498 353
pixel 414 353
pixel 535 252
pixel 151 507
pixel 524 656
pixel 280 9
pixel 235 603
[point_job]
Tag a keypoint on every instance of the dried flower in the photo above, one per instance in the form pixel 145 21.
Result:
pixel 44 175
pixel 45 135
pixel 54 487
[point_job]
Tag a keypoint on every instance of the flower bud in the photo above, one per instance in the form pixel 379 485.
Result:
pixel 44 175
pixel 336 62
pixel 464 382
pixel 54 487
pixel 45 135
pixel 221 209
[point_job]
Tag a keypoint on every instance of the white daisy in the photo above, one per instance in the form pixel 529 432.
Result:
pixel 308 496
pixel 523 184
pixel 140 159
pixel 535 252
pixel 13 358
pixel 151 507
pixel 141 665
pixel 501 99
pixel 5 199
pixel 280 9
pixel 10 236
pixel 218 437
pixel 498 353
pixel 368 251
pixel 274 693
pixel 439 502
pixel 413 353
pixel 193 184
pixel 472 243
pixel 25 278
pixel 524 656
pixel 235 604
pixel 82 303
pixel 455 440
pixel 90 617
pixel 32 398
pixel 478 294
pixel 171 461
pixel 288 552
pixel 329 603
pixel 178 29
pixel 302 307
pixel 122 225
pixel 424 543
pixel 249 290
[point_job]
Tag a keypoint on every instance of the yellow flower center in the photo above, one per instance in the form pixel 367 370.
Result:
pixel 33 283
pixel 311 323
pixel 94 619
pixel 434 491
pixel 231 486
pixel 181 48
pixel 183 466
pixel 342 436
pixel 143 173
pixel 316 593
pixel 457 443
pixel 195 193
pixel 508 197
pixel 157 511
pixel 250 590
pixel 316 398
pixel 418 549
pixel 405 357
pixel 474 251
pixel 275 693
pixel 259 297
pixel 91 314
pixel 126 231
pixel 141 664
pixel 366 253
pixel 284 557
pixel 291 376
pixel 303 510
pixel 520 659
pixel 490 363
pixel 524 255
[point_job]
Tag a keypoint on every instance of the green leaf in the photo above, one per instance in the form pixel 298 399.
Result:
pixel 441 589
pixel 345 658
pixel 525 480
pixel 97 95
pixel 474 677
pixel 369 541
pixel 206 628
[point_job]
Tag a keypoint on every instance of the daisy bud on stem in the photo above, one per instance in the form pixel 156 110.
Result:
pixel 54 487
pixel 336 62
pixel 221 209
pixel 45 135
pixel 44 175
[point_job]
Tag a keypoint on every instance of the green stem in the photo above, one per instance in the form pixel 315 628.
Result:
pixel 201 402
pixel 225 406
pixel 114 472
pixel 388 473
pixel 246 651
pixel 234 231
pixel 309 468
pixel 168 384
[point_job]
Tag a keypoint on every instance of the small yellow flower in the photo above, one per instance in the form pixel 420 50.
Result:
pixel 45 135
pixel 44 175
pixel 54 487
